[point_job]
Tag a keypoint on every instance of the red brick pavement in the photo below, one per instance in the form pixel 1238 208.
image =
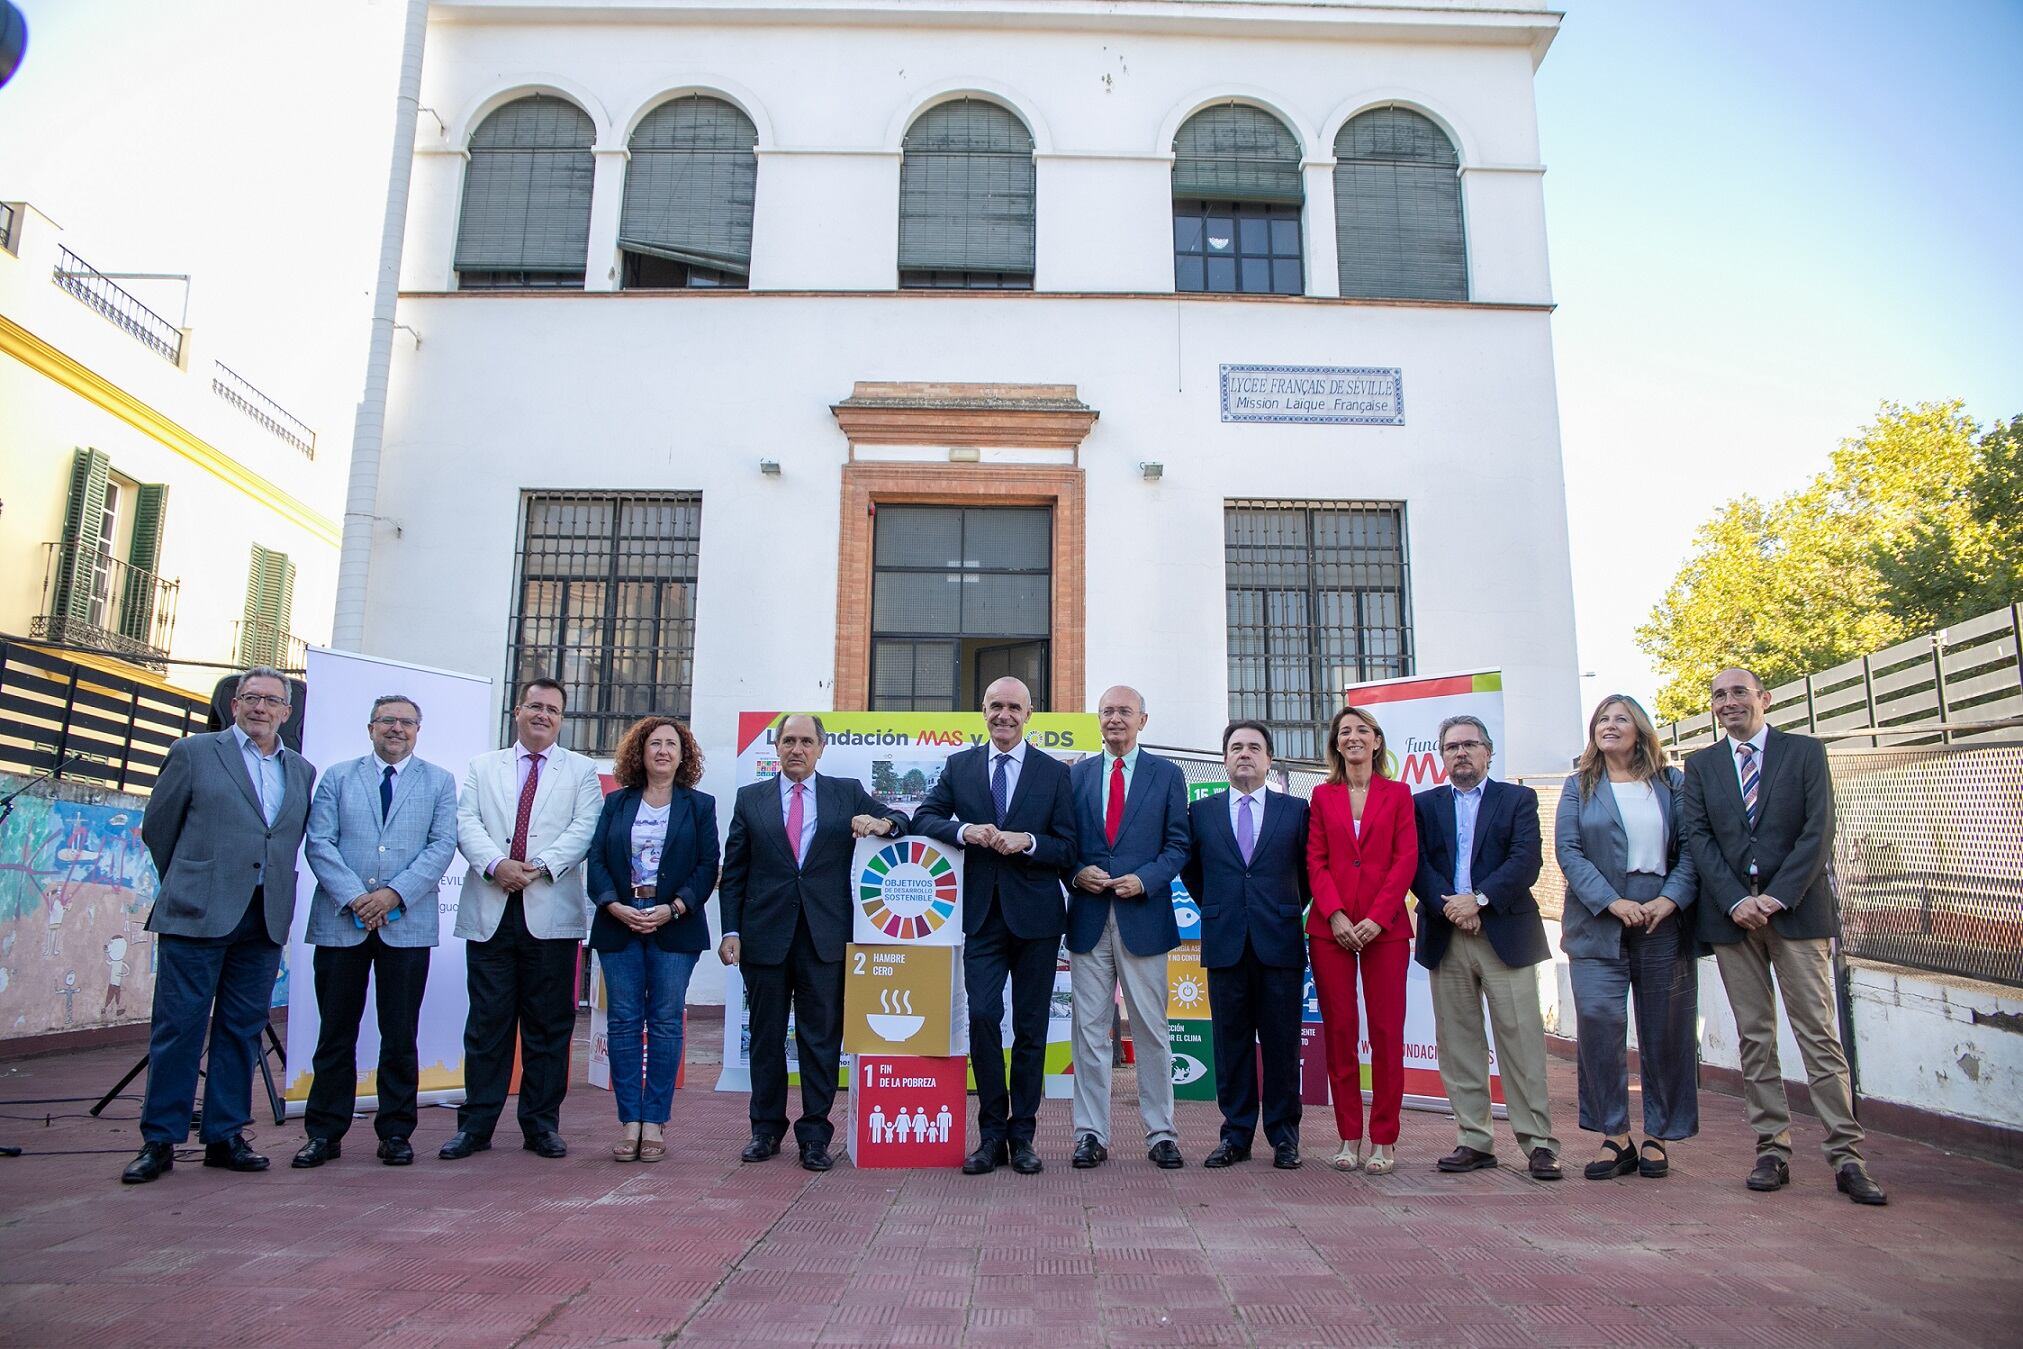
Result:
pixel 506 1248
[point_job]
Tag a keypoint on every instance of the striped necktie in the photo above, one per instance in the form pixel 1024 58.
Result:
pixel 1752 778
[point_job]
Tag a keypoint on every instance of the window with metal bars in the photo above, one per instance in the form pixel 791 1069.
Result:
pixel 1318 598
pixel 606 605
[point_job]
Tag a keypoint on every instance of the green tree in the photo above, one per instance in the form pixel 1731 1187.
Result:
pixel 1796 586
pixel 1967 558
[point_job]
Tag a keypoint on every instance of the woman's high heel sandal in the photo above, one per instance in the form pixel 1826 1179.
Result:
pixel 626 1149
pixel 1350 1158
pixel 1381 1162
pixel 651 1147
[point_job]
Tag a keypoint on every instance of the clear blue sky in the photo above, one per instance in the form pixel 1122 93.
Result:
pixel 1765 217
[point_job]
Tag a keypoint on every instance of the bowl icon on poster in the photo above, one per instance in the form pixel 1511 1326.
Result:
pixel 897 1029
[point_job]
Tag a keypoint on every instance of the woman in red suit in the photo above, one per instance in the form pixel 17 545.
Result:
pixel 1362 851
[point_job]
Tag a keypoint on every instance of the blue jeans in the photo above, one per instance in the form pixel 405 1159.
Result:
pixel 648 990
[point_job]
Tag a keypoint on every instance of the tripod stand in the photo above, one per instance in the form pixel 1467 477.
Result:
pixel 273 1046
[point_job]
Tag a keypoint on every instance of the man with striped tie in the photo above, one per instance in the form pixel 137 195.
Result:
pixel 1758 817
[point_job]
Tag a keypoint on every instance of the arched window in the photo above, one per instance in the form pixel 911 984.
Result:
pixel 1398 208
pixel 966 199
pixel 526 217
pixel 689 190
pixel 1236 203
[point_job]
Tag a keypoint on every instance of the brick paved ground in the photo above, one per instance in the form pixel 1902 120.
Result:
pixel 506 1248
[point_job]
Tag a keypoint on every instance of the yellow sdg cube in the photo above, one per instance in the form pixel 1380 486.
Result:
pixel 904 1000
pixel 1186 984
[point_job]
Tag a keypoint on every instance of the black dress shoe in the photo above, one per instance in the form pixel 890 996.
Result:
pixel 462 1145
pixel 761 1147
pixel 1769 1174
pixel 154 1161
pixel 396 1151
pixel 1226 1154
pixel 815 1157
pixel 233 1154
pixel 1285 1156
pixel 1465 1159
pixel 1025 1161
pixel 547 1143
pixel 1855 1182
pixel 1653 1167
pixel 987 1158
pixel 316 1152
pixel 1165 1155
pixel 1544 1166
pixel 1089 1151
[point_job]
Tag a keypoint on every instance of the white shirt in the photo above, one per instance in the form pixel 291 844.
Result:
pixel 397 768
pixel 1016 765
pixel 1759 740
pixel 1643 827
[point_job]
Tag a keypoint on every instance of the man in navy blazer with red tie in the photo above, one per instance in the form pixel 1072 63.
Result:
pixel 1247 870
pixel 1009 808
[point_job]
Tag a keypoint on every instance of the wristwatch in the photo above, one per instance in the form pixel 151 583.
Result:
pixel 1481 900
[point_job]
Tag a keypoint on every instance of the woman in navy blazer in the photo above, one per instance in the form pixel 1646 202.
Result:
pixel 1628 881
pixel 1362 851
pixel 653 863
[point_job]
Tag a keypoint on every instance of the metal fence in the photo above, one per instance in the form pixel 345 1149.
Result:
pixel 1969 675
pixel 235 389
pixel 102 293
pixel 82 725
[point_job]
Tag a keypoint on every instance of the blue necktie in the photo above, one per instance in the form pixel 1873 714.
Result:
pixel 1246 829
pixel 386 794
pixel 1000 787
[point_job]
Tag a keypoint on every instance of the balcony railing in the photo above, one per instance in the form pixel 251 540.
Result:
pixel 92 600
pixel 231 386
pixel 84 725
pixel 265 644
pixel 105 295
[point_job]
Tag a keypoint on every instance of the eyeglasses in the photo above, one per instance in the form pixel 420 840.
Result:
pixel 1459 746
pixel 260 700
pixel 403 723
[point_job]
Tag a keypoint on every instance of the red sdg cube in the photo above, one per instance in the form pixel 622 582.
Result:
pixel 907 1111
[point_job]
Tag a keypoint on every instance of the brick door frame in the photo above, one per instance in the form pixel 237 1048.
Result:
pixel 869 485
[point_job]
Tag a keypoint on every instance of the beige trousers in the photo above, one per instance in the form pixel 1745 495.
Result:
pixel 1095 976
pixel 1804 971
pixel 1468 976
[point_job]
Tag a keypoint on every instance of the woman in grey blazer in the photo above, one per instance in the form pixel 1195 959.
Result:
pixel 1617 839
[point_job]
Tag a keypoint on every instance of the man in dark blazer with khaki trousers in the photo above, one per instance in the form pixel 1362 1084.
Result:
pixel 1758 816
pixel 1481 937
pixel 1009 808
pixel 786 914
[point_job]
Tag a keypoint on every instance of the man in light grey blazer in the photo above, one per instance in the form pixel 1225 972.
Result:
pixel 382 831
pixel 524 823
pixel 223 825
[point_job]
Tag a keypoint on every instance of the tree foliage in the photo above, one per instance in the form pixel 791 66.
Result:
pixel 1914 523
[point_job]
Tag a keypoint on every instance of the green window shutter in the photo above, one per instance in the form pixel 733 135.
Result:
pixel 270 601
pixel 527 189
pixel 1236 153
pixel 691 185
pixel 966 191
pixel 1398 228
pixel 77 553
pixel 137 605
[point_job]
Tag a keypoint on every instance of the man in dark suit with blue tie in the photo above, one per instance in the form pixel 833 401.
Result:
pixel 1009 808
pixel 1130 842
pixel 223 826
pixel 786 914
pixel 1247 870
pixel 1481 936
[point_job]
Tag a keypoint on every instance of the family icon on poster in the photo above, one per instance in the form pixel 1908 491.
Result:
pixel 901 1127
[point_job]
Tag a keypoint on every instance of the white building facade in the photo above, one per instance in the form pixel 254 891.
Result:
pixel 799 355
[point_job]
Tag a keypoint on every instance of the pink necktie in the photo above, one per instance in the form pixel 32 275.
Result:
pixel 794 820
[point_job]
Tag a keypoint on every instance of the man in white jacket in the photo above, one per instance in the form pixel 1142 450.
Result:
pixel 524 823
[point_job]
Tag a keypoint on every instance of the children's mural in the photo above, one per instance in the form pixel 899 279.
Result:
pixel 76 884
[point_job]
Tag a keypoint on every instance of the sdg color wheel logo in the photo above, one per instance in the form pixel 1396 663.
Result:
pixel 907 890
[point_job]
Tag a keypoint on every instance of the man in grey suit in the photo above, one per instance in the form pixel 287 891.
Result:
pixel 382 831
pixel 223 826
pixel 1758 816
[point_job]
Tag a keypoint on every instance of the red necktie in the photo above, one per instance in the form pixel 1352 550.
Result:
pixel 794 819
pixel 518 852
pixel 1113 813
